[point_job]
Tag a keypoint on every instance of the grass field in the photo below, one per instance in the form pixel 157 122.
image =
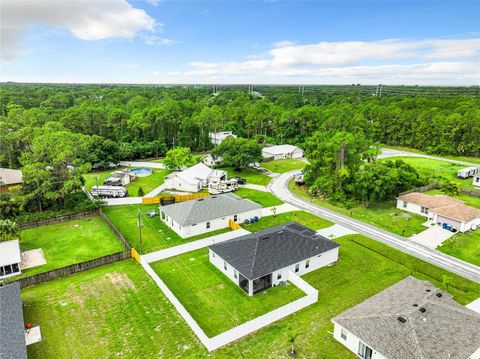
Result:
pixel 252 176
pixel 457 158
pixel 465 246
pixel 155 234
pixel 307 219
pixel 438 171
pixel 265 199
pixel 281 166
pixel 117 311
pixel 213 300
pixel 384 215
pixel 70 242
pixel 147 183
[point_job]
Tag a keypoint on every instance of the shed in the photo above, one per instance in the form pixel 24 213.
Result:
pixel 282 152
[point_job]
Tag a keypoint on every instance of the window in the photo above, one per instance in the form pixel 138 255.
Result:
pixel 424 210
pixel 15 268
pixel 208 224
pixel 235 274
pixel 364 351
pixel 297 267
pixel 235 218
pixel 405 204
pixel 224 265
pixel 213 254
pixel 307 263
pixel 477 179
pixel 343 334
pixel 279 276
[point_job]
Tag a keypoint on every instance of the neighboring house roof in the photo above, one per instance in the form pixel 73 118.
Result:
pixel 426 200
pixel 9 252
pixel 12 332
pixel 199 172
pixel 221 135
pixel 119 174
pixel 9 176
pixel 257 254
pixel 459 212
pixel 280 149
pixel 208 208
pixel 442 329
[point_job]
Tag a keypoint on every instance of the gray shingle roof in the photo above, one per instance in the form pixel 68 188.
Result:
pixel 208 208
pixel 260 253
pixel 12 335
pixel 445 329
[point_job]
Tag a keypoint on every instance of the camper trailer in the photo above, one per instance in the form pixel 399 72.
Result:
pixel 219 187
pixel 109 191
pixel 299 178
pixel 467 172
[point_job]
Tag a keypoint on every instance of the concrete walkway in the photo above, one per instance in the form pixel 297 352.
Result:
pixel 142 164
pixel 283 208
pixel 254 186
pixel 387 153
pixel 475 305
pixel 156 191
pixel 432 237
pixel 335 231
pixel 122 201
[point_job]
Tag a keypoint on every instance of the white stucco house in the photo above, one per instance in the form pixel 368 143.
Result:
pixel 10 259
pixel 208 214
pixel 441 209
pixel 411 319
pixel 212 162
pixel 217 137
pixel 282 151
pixel 194 178
pixel 261 260
pixel 476 180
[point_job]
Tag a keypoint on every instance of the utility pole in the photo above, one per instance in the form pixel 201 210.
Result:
pixel 140 231
pixel 96 179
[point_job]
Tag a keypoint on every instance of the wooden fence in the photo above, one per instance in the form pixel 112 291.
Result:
pixel 173 199
pixel 119 235
pixel 53 220
pixel 74 268
pixel 233 225
pixel 470 192
pixel 426 188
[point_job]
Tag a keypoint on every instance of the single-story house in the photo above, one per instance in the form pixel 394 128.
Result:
pixel 10 259
pixel 441 209
pixel 263 259
pixel 476 180
pixel 467 172
pixel 12 328
pixel 118 178
pixel 9 178
pixel 191 218
pixel 411 319
pixel 217 137
pixel 194 178
pixel 212 162
pixel 282 151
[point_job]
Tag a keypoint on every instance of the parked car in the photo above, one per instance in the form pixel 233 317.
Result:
pixel 240 180
pixel 255 165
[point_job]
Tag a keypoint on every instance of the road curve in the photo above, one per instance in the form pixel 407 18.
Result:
pixel 279 187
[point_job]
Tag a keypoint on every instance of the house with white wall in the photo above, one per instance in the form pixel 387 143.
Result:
pixel 210 161
pixel 476 180
pixel 411 319
pixel 10 259
pixel 218 137
pixel 118 178
pixel 441 209
pixel 191 218
pixel 194 178
pixel 261 260
pixel 282 151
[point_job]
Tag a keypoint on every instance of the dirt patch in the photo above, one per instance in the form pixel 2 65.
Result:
pixel 120 280
pixel 32 258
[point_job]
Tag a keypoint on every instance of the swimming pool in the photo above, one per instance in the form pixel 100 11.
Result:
pixel 141 172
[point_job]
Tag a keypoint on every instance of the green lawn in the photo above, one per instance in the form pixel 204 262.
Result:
pixel 117 311
pixel 438 171
pixel 281 166
pixel 465 246
pixel 265 199
pixel 457 158
pixel 469 200
pixel 155 234
pixel 384 215
pixel 213 300
pixel 307 219
pixel 70 242
pixel 147 183
pixel 252 176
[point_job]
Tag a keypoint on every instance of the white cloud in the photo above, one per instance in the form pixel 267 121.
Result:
pixel 157 40
pixel 86 20
pixel 128 66
pixel 283 43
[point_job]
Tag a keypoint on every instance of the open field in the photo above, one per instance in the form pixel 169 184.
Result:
pixel 70 242
pixel 252 176
pixel 307 219
pixel 457 158
pixel 281 166
pixel 213 300
pixel 119 309
pixel 384 215
pixel 265 199
pixel 147 183
pixel 155 234
pixel 465 246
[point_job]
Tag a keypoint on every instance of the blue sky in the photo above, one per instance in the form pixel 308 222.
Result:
pixel 408 42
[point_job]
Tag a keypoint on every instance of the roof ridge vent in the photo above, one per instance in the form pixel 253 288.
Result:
pixel 422 309
pixel 439 295
pixel 402 319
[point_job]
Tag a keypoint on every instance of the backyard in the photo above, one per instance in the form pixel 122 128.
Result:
pixel 213 300
pixel 281 166
pixel 307 219
pixel 252 176
pixel 265 199
pixel 70 242
pixel 155 234
pixel 384 215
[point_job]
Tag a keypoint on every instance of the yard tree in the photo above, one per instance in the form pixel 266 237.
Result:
pixel 238 152
pixel 8 230
pixel 450 188
pixel 178 157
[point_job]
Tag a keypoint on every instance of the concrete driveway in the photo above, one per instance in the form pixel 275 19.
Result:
pixel 433 236
pixel 335 231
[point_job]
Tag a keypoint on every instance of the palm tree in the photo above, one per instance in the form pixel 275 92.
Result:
pixel 8 230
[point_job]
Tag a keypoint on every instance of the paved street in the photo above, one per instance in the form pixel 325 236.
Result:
pixel 387 153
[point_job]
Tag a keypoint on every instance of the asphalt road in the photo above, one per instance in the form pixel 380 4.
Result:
pixel 279 187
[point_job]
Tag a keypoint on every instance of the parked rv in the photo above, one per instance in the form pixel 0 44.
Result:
pixel 219 187
pixel 467 172
pixel 109 191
